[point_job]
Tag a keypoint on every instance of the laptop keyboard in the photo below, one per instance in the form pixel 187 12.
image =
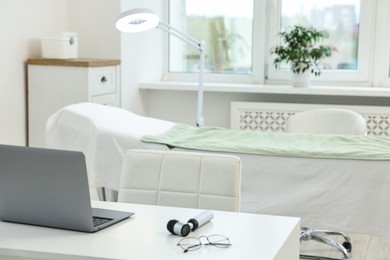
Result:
pixel 97 221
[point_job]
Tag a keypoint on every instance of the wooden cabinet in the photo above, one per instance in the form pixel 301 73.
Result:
pixel 53 84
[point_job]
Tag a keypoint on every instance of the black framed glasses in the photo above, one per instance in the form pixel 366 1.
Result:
pixel 194 243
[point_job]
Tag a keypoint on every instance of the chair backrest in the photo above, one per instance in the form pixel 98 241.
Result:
pixel 181 179
pixel 327 121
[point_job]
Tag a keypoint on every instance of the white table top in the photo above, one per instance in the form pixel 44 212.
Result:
pixel 144 236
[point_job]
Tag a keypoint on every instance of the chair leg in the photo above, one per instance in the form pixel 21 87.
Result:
pixel 313 257
pixel 347 242
pixel 319 235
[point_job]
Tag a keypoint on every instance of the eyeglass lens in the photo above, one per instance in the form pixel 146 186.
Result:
pixel 218 240
pixel 194 243
pixel 190 244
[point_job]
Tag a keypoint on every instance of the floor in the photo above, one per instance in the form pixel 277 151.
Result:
pixel 364 247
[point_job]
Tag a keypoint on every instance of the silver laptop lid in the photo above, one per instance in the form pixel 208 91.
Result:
pixel 44 187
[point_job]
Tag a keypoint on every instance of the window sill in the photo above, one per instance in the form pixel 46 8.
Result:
pixel 270 89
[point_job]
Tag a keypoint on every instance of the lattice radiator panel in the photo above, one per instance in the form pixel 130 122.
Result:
pixel 272 117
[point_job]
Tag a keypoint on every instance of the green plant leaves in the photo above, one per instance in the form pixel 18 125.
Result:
pixel 299 47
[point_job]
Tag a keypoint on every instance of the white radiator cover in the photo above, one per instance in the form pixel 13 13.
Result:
pixel 272 117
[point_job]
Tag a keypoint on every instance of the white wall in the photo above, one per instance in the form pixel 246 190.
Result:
pixel 94 22
pixel 142 56
pixel 22 23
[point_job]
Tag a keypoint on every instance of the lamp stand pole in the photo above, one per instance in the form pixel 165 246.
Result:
pixel 199 116
pixel 201 46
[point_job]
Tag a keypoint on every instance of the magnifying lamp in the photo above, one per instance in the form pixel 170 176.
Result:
pixel 138 20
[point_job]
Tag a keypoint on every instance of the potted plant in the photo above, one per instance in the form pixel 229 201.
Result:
pixel 299 47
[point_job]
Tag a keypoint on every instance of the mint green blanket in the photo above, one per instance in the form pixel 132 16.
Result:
pixel 275 144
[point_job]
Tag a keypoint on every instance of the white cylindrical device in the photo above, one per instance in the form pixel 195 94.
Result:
pixel 200 220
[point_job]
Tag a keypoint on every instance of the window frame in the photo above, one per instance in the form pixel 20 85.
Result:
pixel 373 66
pixel 361 75
pixel 381 68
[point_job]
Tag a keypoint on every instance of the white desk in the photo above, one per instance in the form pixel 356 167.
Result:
pixel 144 236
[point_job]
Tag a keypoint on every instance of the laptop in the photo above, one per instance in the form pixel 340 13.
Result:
pixel 48 187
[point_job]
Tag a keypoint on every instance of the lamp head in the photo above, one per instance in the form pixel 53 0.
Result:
pixel 137 20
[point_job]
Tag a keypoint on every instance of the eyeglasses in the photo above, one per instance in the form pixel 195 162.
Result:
pixel 194 243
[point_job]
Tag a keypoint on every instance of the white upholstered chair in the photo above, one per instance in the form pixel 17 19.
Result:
pixel 327 121
pixel 181 179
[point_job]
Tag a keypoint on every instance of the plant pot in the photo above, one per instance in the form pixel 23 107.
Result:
pixel 301 79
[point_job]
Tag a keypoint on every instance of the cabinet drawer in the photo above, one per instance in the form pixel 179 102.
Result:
pixel 109 100
pixel 103 80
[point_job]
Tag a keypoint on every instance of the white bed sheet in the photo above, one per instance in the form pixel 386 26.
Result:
pixel 103 134
pixel 346 195
pixel 338 194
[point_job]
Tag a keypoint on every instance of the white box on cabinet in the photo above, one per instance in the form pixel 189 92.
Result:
pixel 59 45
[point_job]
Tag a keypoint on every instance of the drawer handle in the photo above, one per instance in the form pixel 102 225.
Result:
pixel 103 79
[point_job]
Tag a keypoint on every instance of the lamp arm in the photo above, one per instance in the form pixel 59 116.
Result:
pixel 182 36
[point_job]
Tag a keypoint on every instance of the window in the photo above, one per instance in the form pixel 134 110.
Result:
pixel 340 18
pixel 240 33
pixel 349 24
pixel 225 26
